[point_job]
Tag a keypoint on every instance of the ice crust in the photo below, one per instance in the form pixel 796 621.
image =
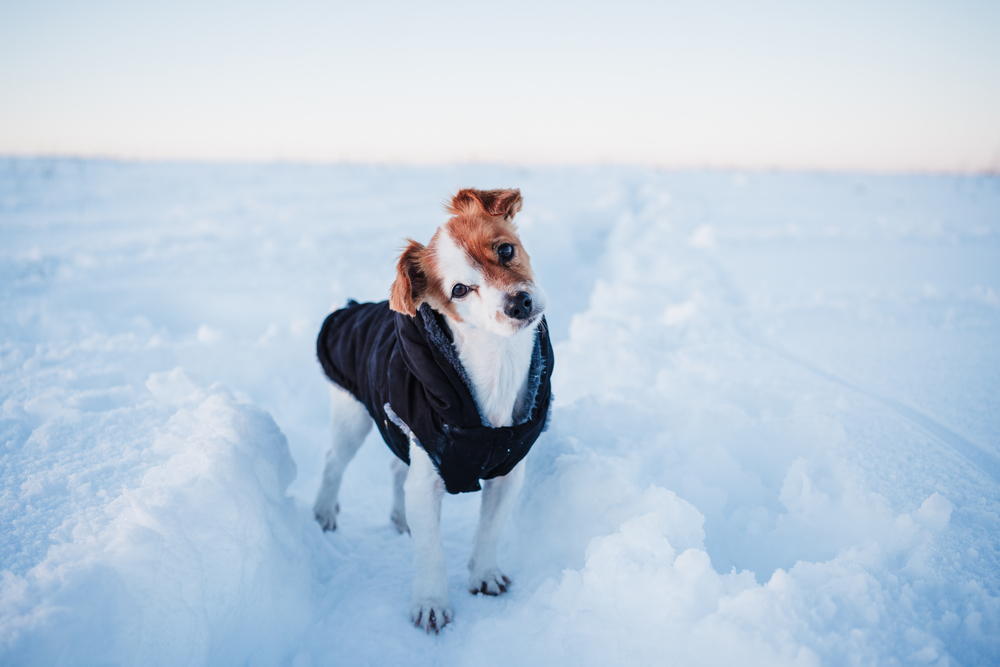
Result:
pixel 775 438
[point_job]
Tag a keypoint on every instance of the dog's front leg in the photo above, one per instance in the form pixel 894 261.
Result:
pixel 431 608
pixel 498 498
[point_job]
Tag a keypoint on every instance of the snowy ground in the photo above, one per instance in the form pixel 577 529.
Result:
pixel 776 441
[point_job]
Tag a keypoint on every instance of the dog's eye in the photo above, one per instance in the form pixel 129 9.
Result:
pixel 505 252
pixel 458 291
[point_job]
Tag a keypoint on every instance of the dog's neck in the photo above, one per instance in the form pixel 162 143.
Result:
pixel 497 367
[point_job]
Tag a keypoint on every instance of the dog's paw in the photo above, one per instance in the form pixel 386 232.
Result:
pixel 430 614
pixel 399 521
pixel 490 582
pixel 326 518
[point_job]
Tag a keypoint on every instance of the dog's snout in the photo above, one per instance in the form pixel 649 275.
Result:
pixel 518 306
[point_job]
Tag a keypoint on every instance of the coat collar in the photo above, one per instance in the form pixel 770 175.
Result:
pixel 428 350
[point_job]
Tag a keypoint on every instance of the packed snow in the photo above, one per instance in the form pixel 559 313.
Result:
pixel 776 436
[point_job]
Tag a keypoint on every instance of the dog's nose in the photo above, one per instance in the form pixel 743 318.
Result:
pixel 518 306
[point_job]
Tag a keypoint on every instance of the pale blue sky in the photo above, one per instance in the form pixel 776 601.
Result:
pixel 857 85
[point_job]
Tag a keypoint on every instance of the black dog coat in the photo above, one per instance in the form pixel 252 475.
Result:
pixel 407 373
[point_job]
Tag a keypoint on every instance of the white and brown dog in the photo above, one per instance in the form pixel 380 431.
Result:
pixel 455 371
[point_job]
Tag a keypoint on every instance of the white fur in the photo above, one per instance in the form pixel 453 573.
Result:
pixel 498 498
pixel 496 353
pixel 497 367
pixel 398 515
pixel 431 608
pixel 351 424
pixel 483 307
pixel 494 349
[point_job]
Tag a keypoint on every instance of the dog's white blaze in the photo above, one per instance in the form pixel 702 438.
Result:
pixel 454 266
pixel 496 355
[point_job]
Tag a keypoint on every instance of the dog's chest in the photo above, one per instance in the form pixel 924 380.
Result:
pixel 498 371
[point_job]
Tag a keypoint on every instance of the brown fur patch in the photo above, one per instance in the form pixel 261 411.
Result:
pixel 495 203
pixel 479 235
pixel 417 282
pixel 411 281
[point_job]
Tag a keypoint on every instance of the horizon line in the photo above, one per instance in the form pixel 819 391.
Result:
pixel 513 164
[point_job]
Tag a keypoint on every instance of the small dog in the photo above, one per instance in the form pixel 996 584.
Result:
pixel 455 370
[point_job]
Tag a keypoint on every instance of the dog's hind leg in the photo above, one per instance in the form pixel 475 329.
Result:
pixel 431 608
pixel 351 424
pixel 398 516
pixel 498 498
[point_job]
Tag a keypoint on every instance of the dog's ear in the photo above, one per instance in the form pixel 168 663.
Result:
pixel 498 203
pixel 411 282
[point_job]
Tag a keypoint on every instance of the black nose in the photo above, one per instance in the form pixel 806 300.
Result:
pixel 518 306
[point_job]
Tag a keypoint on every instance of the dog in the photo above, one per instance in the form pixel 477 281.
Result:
pixel 455 370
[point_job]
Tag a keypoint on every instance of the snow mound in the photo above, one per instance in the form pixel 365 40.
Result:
pixel 201 562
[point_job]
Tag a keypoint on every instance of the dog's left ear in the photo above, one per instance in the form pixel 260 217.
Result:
pixel 497 203
pixel 411 282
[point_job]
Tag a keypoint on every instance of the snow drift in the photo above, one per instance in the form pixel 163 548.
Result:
pixel 775 438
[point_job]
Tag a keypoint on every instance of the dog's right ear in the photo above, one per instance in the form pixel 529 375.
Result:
pixel 497 203
pixel 411 282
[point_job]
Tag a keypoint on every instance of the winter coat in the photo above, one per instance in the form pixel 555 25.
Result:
pixel 407 373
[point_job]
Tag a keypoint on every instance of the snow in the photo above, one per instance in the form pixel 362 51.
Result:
pixel 775 438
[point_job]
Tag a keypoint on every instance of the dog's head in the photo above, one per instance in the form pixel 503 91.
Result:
pixel 474 270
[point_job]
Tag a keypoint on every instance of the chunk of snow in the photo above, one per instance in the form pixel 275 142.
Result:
pixel 170 386
pixel 703 237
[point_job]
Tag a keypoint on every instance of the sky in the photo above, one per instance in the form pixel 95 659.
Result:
pixel 875 86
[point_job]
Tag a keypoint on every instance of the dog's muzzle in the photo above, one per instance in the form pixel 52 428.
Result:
pixel 518 306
